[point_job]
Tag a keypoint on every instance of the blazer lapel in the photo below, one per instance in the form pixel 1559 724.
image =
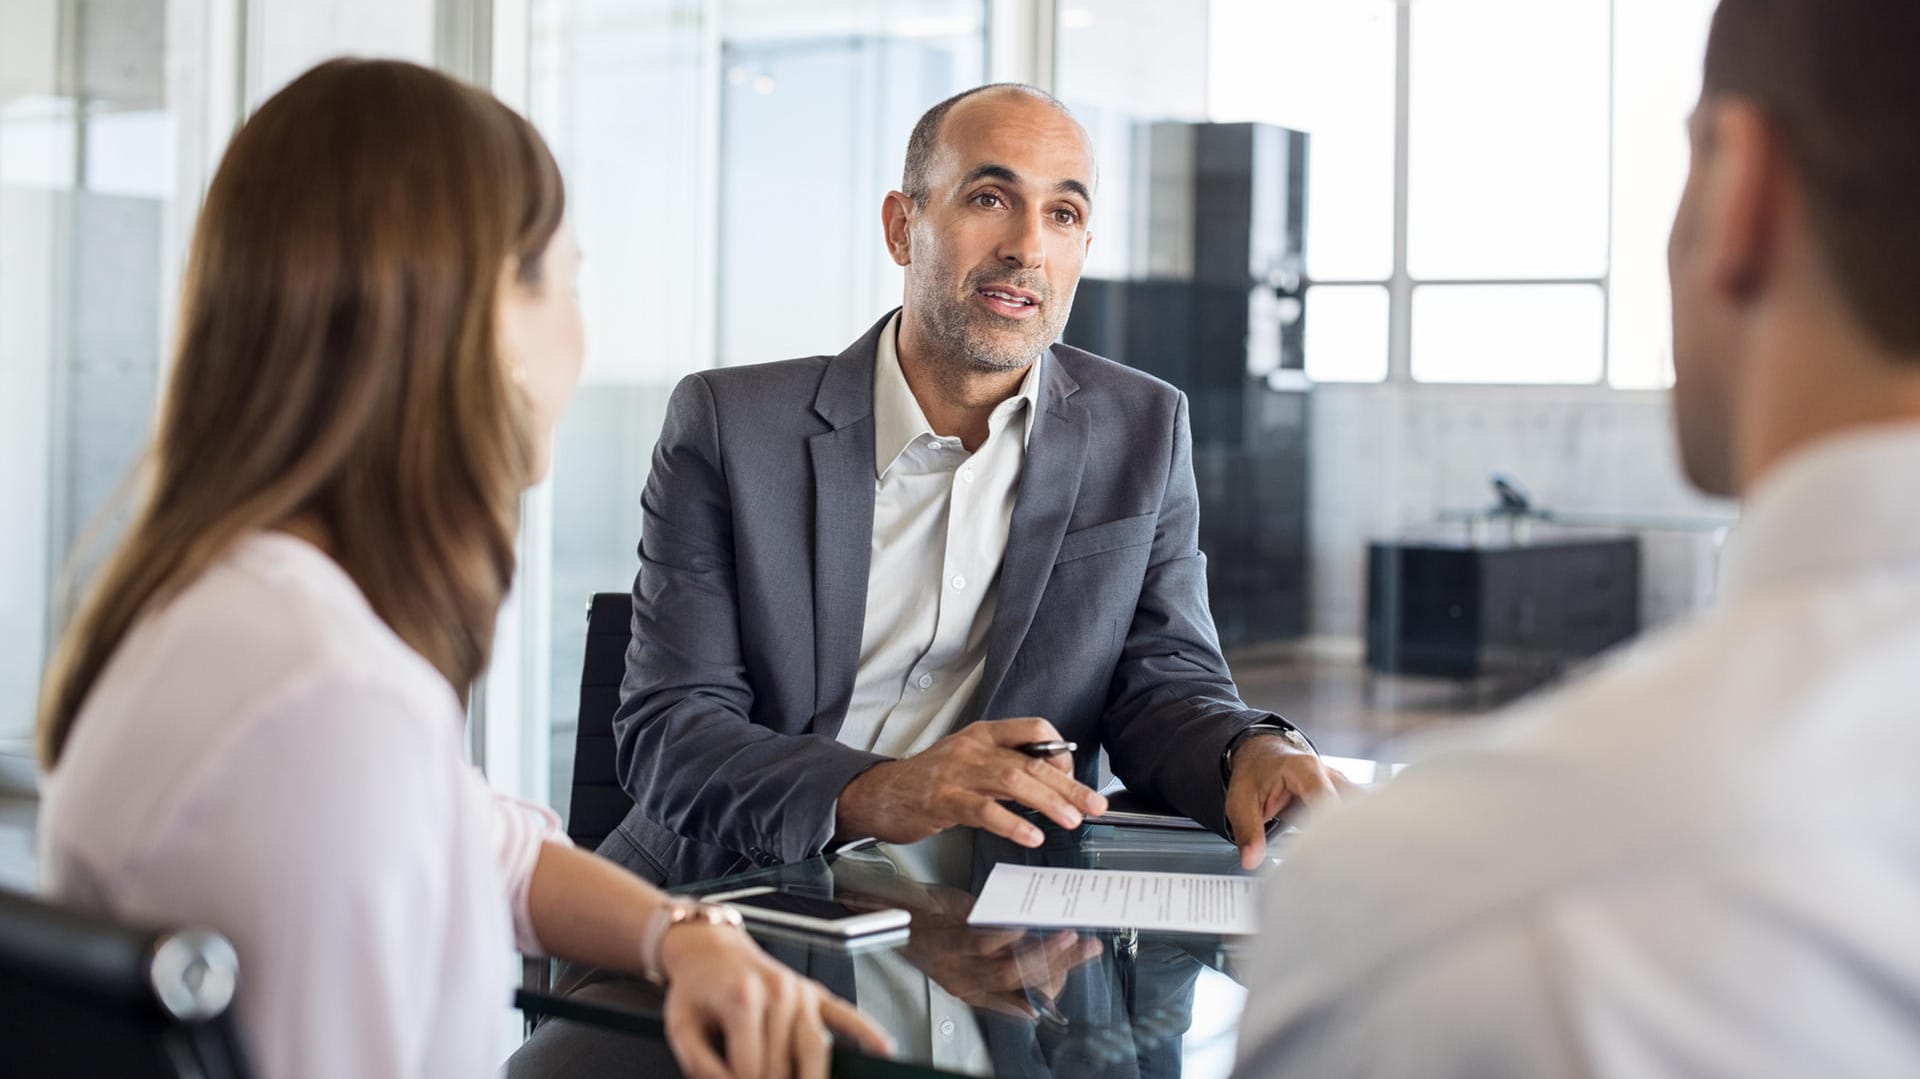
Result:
pixel 1049 485
pixel 842 525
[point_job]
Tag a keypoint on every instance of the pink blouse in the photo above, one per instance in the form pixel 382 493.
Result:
pixel 265 757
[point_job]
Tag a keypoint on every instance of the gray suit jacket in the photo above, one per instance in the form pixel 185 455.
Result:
pixel 748 607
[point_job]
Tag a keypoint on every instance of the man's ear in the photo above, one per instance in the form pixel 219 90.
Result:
pixel 896 215
pixel 1742 200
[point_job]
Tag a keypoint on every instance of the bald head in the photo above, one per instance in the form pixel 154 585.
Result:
pixel 924 144
pixel 992 225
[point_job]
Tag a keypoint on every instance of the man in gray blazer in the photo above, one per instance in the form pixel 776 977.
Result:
pixel 866 579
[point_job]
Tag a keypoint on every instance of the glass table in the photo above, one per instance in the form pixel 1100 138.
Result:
pixel 959 1000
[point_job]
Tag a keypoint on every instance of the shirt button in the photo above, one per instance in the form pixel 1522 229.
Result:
pixel 967 474
pixel 946 1028
pixel 959 582
pixel 924 681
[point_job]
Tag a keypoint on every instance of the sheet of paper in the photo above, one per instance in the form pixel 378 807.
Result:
pixel 1045 897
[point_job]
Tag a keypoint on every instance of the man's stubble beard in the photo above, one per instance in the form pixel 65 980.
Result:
pixel 966 337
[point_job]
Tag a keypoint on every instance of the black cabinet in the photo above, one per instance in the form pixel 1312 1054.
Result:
pixel 1456 610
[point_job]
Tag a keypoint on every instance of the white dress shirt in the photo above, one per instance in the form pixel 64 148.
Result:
pixel 940 520
pixel 265 757
pixel 1702 861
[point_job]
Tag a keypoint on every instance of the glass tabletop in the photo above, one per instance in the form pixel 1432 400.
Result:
pixel 959 1000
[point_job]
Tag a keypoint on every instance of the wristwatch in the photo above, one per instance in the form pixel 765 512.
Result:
pixel 676 911
pixel 1283 730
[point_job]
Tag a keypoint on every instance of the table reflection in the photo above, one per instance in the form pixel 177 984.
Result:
pixel 961 1000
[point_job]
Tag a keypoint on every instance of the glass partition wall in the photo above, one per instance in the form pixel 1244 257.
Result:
pixel 110 113
pixel 726 163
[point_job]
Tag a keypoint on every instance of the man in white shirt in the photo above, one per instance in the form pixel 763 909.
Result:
pixel 867 579
pixel 1705 859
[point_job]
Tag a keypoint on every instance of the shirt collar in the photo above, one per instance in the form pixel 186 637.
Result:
pixel 1842 505
pixel 898 418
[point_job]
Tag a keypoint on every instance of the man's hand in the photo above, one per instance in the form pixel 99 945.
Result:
pixel 1269 774
pixel 961 780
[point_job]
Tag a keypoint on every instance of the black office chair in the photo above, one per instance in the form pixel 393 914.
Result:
pixel 81 995
pixel 599 803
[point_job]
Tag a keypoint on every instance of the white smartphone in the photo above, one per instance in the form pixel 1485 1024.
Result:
pixel 811 913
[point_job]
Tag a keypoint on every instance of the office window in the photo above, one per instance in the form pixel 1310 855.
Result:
pixel 1658 45
pixel 1346 327
pixel 1326 68
pixel 1507 162
pixel 1507 179
pixel 1508 333
pixel 1544 145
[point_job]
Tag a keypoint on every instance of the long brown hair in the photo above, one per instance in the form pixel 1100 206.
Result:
pixel 337 363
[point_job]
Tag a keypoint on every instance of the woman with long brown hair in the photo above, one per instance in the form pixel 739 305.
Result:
pixel 254 721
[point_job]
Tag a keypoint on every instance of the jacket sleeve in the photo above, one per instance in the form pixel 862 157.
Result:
pixel 686 748
pixel 1173 706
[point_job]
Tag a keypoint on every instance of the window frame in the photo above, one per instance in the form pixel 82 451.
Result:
pixel 1402 285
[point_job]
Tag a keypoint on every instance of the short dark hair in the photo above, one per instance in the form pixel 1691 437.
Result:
pixel 926 135
pixel 1839 81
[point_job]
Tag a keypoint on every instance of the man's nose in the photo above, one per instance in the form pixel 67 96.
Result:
pixel 1024 245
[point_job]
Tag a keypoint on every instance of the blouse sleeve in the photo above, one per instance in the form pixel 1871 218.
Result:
pixel 521 829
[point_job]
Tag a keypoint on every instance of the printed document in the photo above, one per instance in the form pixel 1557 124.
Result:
pixel 1045 897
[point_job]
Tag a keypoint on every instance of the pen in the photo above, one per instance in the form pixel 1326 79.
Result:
pixel 1046 749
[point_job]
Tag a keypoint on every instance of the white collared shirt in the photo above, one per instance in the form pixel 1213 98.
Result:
pixel 1702 861
pixel 940 520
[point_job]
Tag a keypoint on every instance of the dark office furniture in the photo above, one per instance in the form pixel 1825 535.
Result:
pixel 599 802
pixel 1216 306
pixel 1458 610
pixel 81 995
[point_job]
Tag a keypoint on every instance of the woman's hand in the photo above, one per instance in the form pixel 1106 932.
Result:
pixel 774 1022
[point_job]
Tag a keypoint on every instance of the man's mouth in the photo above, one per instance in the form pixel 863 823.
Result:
pixel 1007 301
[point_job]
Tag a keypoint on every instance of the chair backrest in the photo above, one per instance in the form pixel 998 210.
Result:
pixel 82 995
pixel 599 802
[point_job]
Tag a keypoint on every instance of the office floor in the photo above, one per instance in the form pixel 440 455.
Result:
pixel 1327 690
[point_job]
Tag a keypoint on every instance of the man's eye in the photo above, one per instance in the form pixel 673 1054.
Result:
pixel 1066 217
pixel 987 198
